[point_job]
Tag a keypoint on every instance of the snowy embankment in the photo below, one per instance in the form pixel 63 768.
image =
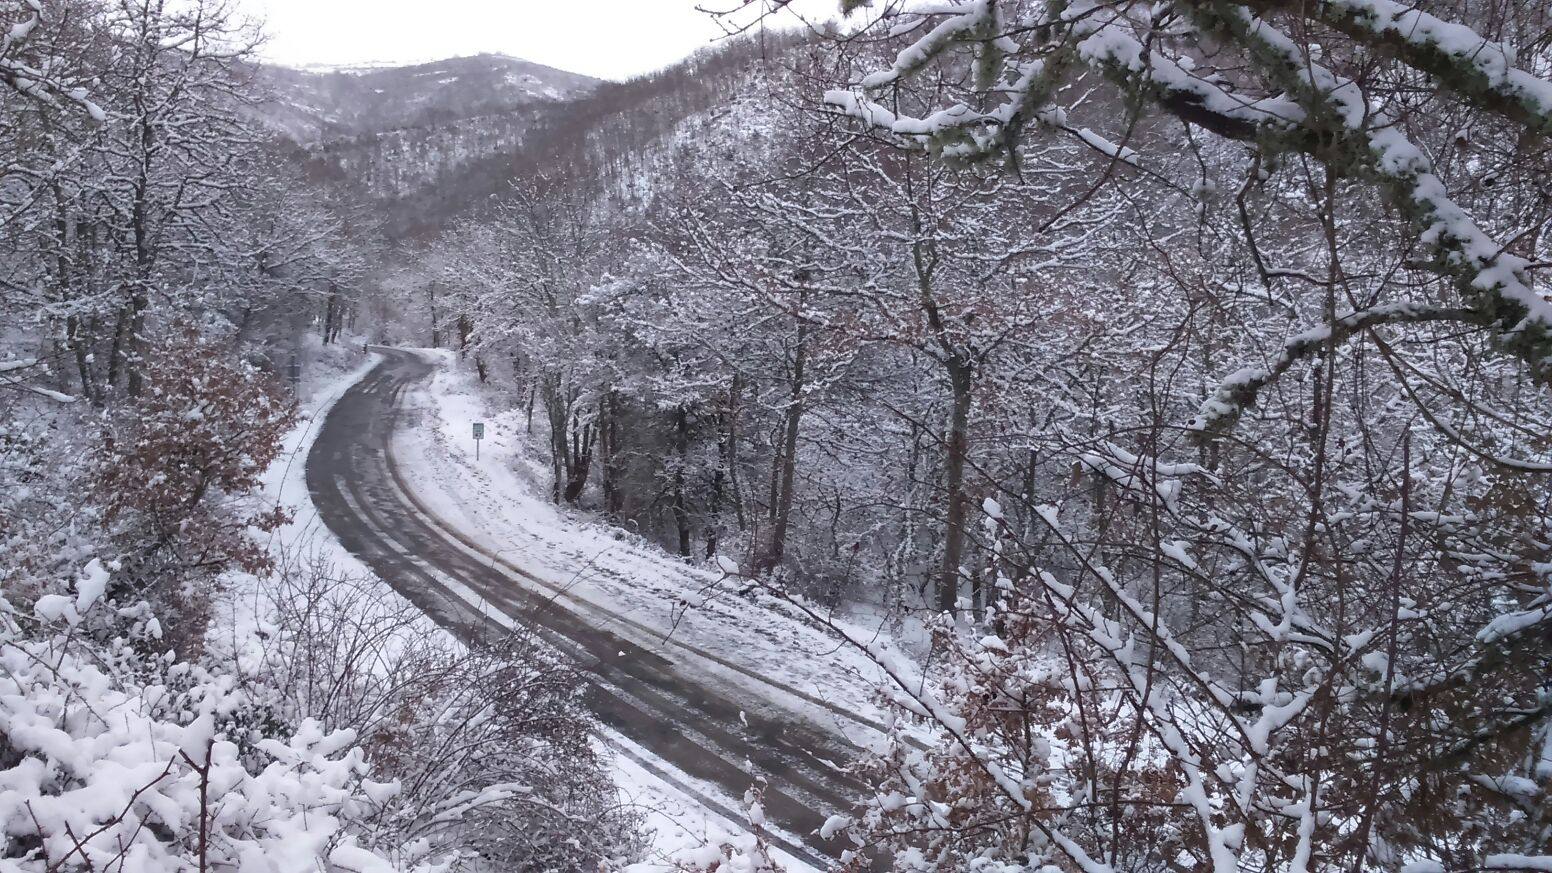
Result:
pixel 122 756
pixel 332 371
pixel 680 823
pixel 760 647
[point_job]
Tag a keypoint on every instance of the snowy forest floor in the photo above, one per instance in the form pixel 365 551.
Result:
pixel 763 653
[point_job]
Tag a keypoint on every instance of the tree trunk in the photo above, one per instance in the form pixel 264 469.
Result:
pixel 580 459
pixel 713 508
pixel 609 453
pixel 559 447
pixel 116 349
pixel 571 442
pixel 465 331
pixel 330 314
pixel 719 481
pixel 681 507
pixel 140 220
pixel 730 456
pixel 138 303
pixel 785 462
pixel 66 284
pixel 83 367
pixel 957 511
pixel 436 326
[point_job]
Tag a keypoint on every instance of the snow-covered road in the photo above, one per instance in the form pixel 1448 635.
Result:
pixel 700 709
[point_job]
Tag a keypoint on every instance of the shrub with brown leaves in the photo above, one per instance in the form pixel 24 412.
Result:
pixel 178 463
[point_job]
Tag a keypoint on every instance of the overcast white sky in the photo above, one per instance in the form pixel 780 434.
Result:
pixel 605 38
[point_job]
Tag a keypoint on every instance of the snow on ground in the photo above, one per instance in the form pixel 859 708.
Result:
pixel 684 612
pixel 680 824
pixel 677 819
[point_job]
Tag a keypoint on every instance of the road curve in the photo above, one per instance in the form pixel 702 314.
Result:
pixel 655 701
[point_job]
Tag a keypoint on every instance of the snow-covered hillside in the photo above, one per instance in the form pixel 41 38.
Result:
pixel 401 134
pixel 317 105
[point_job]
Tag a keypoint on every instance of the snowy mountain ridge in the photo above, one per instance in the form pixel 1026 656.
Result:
pixel 327 103
pixel 453 134
pixel 402 133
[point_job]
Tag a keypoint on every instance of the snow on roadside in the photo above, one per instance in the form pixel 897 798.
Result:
pixel 500 501
pixel 305 540
pixel 682 826
pixel 333 370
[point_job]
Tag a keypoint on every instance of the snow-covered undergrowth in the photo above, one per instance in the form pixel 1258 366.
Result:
pixel 116 755
pixel 317 721
pixel 116 764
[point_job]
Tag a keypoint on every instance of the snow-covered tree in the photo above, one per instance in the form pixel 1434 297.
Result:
pixel 1291 616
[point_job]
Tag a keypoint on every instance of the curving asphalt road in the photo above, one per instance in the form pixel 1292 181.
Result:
pixel 656 701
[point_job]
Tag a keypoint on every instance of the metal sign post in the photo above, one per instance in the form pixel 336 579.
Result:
pixel 479 434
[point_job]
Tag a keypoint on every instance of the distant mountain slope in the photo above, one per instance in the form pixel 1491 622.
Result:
pixel 312 105
pixel 431 142
pixel 394 133
pixel 620 135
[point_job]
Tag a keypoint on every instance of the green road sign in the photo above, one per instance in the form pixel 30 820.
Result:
pixel 479 430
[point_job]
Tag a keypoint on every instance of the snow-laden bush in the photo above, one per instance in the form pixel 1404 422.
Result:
pixel 112 761
pixel 331 729
pixel 175 470
pixel 490 741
